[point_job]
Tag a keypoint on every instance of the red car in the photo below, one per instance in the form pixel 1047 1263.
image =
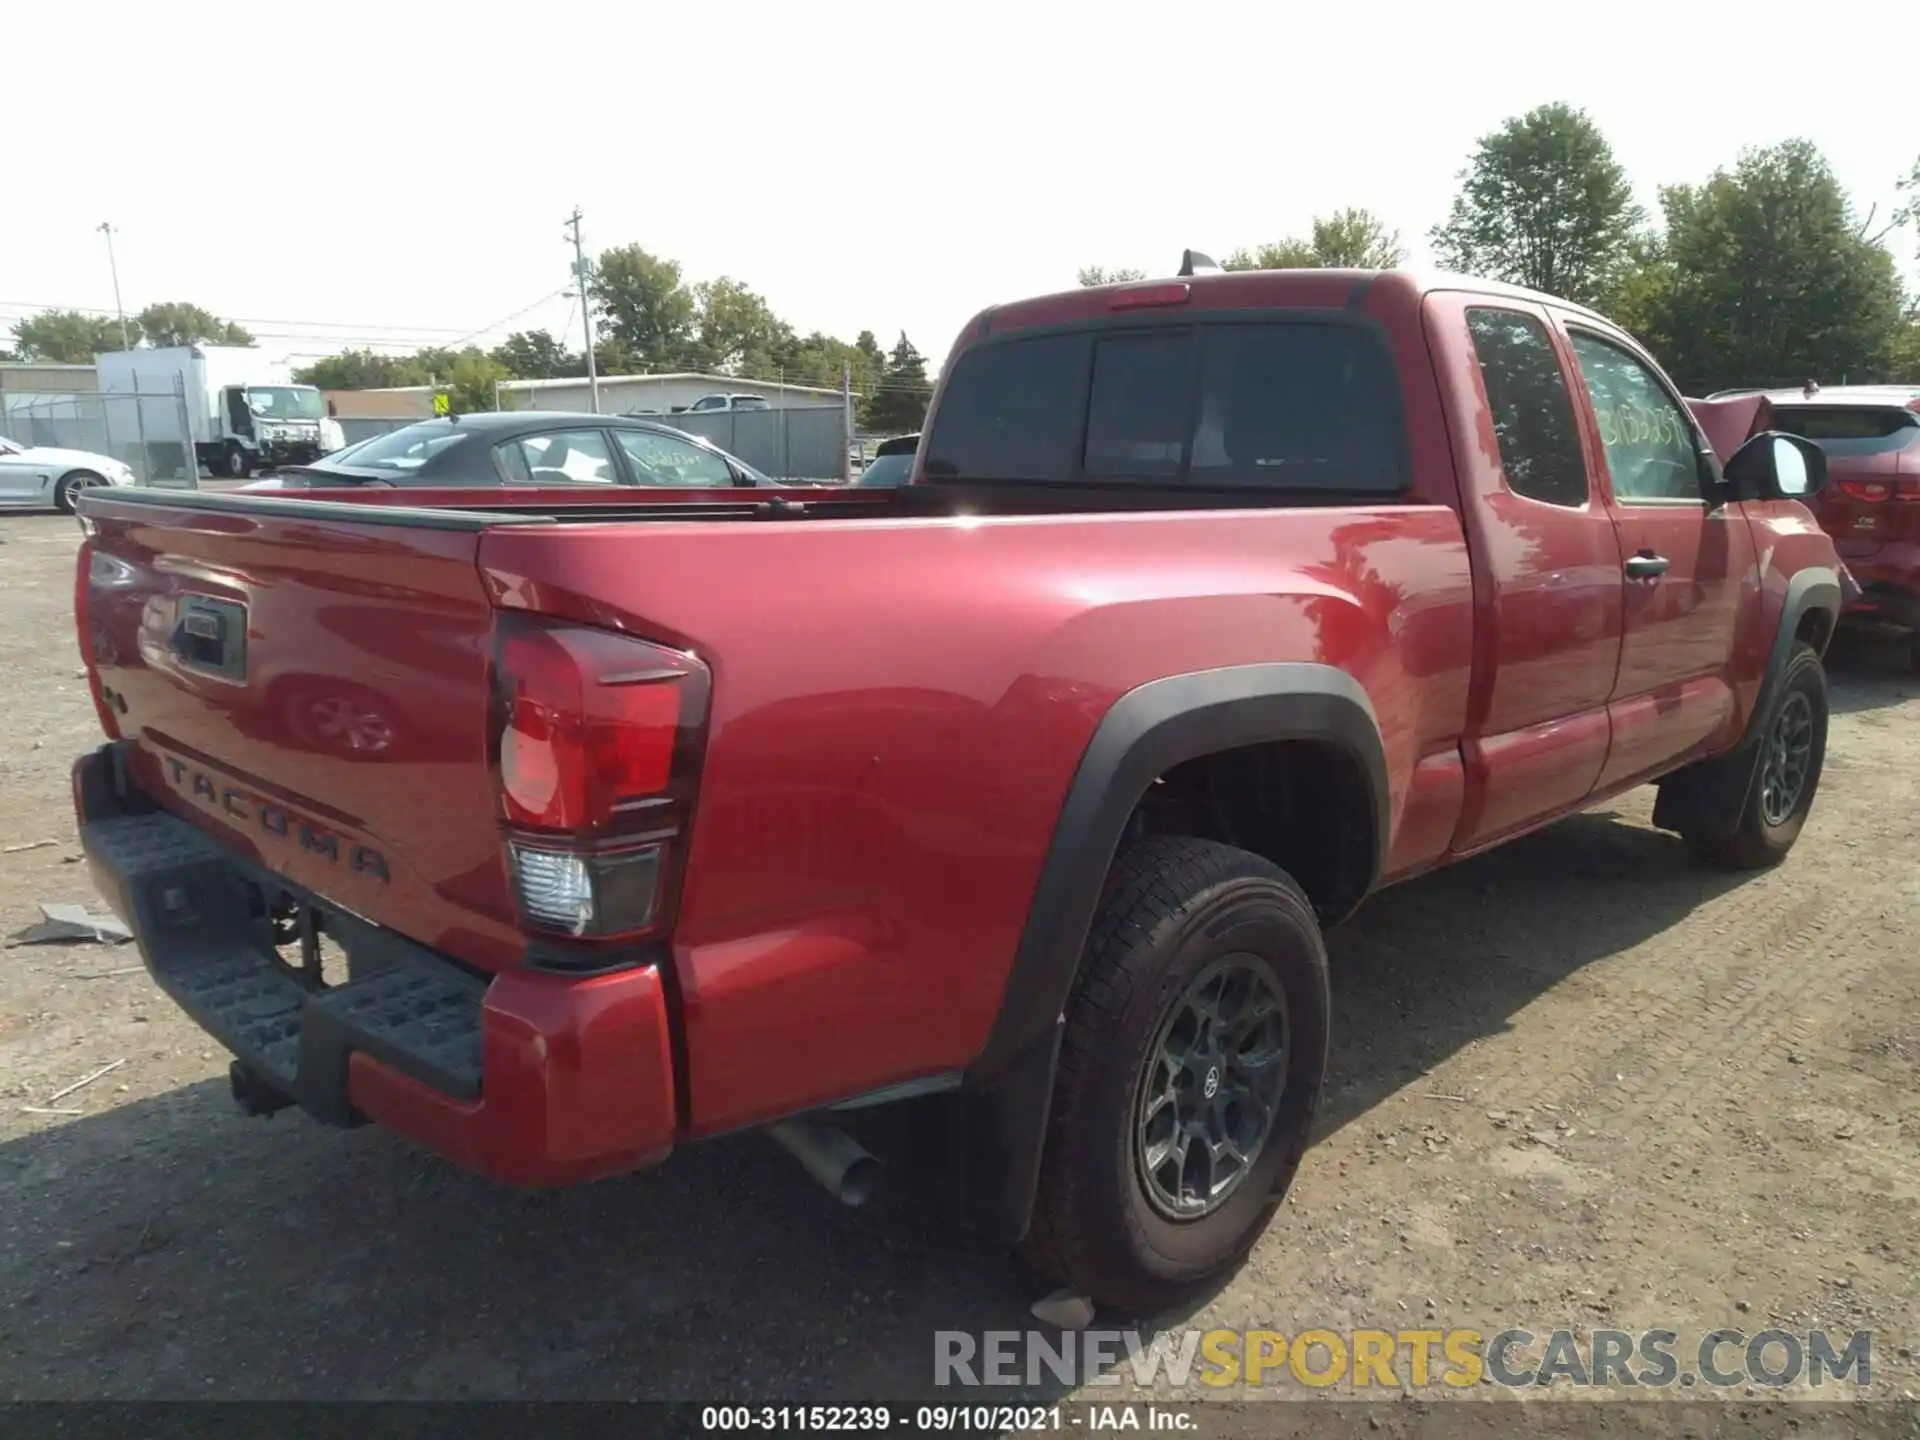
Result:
pixel 1871 505
pixel 1024 789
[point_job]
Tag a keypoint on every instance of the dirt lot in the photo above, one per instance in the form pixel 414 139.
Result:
pixel 1579 1082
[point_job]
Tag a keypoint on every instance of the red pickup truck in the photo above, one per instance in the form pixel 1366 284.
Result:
pixel 1214 605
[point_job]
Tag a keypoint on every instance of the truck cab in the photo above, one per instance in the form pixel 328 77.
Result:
pixel 265 426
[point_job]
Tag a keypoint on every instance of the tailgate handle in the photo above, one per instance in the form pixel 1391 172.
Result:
pixel 211 636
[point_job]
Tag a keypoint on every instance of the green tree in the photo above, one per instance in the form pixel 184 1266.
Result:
pixel 870 347
pixel 1091 275
pixel 898 404
pixel 737 332
pixel 175 322
pixel 469 374
pixel 644 305
pixel 1288 254
pixel 537 355
pixel 1348 239
pixel 359 370
pixel 69 337
pixel 1543 203
pixel 1771 279
pixel 1355 239
pixel 817 359
pixel 1909 213
pixel 1903 363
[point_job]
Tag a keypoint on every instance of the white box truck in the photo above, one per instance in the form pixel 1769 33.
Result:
pixel 245 412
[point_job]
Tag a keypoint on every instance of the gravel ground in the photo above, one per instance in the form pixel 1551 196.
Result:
pixel 1578 1082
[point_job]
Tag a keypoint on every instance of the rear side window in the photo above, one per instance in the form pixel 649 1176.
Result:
pixel 1283 405
pixel 1852 430
pixel 1013 412
pixel 409 447
pixel 1532 411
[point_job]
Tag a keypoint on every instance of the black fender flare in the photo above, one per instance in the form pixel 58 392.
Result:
pixel 1006 1093
pixel 1812 587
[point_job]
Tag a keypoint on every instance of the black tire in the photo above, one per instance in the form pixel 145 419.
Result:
pixel 1913 652
pixel 235 462
pixel 1762 834
pixel 1174 910
pixel 66 485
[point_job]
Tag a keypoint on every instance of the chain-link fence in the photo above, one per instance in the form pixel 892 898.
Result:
pixel 148 430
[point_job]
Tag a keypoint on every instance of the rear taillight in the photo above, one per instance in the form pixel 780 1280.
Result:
pixel 1874 492
pixel 83 629
pixel 596 745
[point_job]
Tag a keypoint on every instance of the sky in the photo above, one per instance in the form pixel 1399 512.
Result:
pixel 398 175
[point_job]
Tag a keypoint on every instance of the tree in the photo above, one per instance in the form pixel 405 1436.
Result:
pixel 1288 254
pixel 1091 275
pixel 1543 203
pixel 644 305
pixel 899 403
pixel 737 331
pixel 537 355
pixel 69 337
pixel 1770 278
pixel 360 370
pixel 1909 213
pixel 1903 363
pixel 175 322
pixel 818 359
pixel 1355 239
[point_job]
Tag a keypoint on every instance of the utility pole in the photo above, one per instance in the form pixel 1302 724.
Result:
pixel 846 422
pixel 586 303
pixel 106 229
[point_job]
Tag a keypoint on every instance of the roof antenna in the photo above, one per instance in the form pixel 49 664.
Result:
pixel 1192 262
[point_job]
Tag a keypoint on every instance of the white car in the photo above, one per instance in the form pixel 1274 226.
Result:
pixel 715 404
pixel 42 475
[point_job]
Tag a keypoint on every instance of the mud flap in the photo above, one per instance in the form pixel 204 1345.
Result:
pixel 1707 797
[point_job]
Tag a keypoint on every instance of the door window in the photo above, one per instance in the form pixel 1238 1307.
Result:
pixel 1653 451
pixel 564 457
pixel 664 460
pixel 1532 413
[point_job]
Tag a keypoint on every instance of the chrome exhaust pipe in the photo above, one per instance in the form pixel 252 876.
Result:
pixel 831 1156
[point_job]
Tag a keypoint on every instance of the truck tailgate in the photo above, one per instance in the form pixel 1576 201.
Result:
pixel 309 684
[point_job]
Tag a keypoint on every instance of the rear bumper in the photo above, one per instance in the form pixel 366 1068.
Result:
pixel 536 1079
pixel 1889 587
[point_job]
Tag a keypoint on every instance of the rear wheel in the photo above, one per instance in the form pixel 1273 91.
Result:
pixel 1195 1050
pixel 69 486
pixel 1786 773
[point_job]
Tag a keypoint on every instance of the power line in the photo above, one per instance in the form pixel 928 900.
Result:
pixel 506 320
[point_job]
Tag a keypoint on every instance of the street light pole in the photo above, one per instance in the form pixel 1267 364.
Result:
pixel 586 303
pixel 106 229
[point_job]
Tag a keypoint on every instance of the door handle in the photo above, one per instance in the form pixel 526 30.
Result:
pixel 1646 566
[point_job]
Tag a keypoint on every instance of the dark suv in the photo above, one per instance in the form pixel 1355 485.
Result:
pixel 1871 506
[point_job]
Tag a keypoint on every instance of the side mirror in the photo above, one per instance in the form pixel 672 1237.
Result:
pixel 1777 466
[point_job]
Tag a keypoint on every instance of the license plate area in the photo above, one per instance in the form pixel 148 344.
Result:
pixel 210 636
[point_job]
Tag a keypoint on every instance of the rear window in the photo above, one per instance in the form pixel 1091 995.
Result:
pixel 1303 405
pixel 407 448
pixel 1850 430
